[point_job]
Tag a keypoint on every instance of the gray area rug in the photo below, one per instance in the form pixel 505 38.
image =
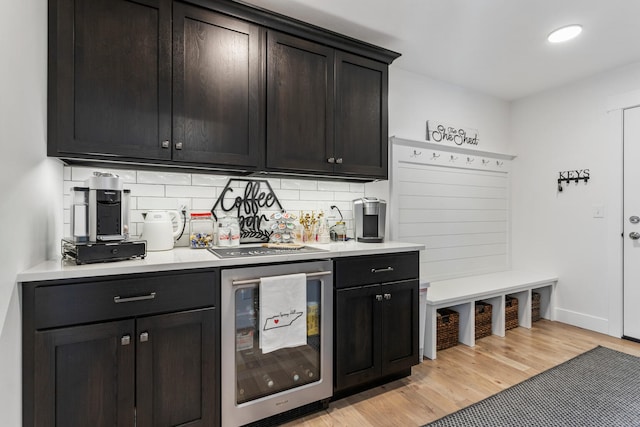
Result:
pixel 598 388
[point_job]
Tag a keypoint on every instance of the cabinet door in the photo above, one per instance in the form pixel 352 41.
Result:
pixel 400 328
pixel 218 101
pixel 176 369
pixel 300 81
pixel 84 375
pixel 357 336
pixel 361 116
pixel 109 78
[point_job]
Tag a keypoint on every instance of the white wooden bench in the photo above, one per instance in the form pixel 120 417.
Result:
pixel 461 294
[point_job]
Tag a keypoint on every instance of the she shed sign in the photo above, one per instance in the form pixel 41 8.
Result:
pixel 441 132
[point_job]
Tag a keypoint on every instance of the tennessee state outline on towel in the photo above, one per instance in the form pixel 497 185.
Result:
pixel 282 320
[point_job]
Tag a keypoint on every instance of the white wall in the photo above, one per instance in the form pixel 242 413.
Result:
pixel 31 198
pixel 414 99
pixel 563 129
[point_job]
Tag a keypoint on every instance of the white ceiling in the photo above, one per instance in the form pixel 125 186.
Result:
pixel 497 47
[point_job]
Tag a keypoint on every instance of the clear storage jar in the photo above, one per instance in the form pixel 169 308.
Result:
pixel 201 230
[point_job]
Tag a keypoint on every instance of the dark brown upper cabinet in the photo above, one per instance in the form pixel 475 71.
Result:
pixel 300 76
pixel 217 101
pixel 361 133
pixel 213 85
pixel 109 78
pixel 118 64
pixel 326 110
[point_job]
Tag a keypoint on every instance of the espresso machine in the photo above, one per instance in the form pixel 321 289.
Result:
pixel 100 222
pixel 370 215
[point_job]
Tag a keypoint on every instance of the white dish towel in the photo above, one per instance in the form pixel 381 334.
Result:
pixel 283 312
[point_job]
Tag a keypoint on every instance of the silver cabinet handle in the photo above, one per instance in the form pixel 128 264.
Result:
pixel 178 145
pixel 119 300
pixel 378 297
pixel 381 270
pixel 339 160
pixel 634 235
pixel 125 340
pixel 144 337
pixel 387 296
pixel 331 160
pixel 165 144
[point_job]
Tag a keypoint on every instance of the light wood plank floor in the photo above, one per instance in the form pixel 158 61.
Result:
pixel 463 375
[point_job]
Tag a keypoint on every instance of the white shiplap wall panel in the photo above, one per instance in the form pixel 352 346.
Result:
pixel 456 204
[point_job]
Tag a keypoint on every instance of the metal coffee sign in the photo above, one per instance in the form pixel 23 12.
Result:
pixel 249 200
pixel 441 132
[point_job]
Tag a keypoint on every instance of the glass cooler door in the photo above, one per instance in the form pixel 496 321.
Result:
pixel 259 374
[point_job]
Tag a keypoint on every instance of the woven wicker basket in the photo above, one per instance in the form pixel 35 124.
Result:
pixel 535 306
pixel 510 313
pixel 483 319
pixel 447 328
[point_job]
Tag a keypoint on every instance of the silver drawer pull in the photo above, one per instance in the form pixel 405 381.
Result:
pixel 125 340
pixel 387 296
pixel 381 270
pixel 378 297
pixel 144 337
pixel 118 300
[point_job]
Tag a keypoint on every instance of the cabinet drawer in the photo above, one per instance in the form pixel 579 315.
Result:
pixel 141 294
pixel 365 270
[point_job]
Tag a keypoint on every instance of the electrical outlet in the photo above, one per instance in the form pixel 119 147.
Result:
pixel 183 204
pixel 598 211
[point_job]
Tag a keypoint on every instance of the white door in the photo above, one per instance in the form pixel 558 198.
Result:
pixel 631 221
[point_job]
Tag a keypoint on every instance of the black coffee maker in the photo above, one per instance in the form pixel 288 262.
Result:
pixel 370 215
pixel 100 222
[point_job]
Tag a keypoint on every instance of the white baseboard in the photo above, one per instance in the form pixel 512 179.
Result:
pixel 581 320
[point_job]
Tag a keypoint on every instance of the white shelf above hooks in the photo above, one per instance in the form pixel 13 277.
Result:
pixel 450 149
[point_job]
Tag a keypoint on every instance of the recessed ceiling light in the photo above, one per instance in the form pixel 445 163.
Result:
pixel 565 33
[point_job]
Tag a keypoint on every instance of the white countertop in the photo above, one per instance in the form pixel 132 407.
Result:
pixel 186 258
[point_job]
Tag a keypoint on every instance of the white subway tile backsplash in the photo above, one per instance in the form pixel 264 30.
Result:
pixel 189 191
pixel 316 195
pixel 209 180
pixel 202 204
pixel 287 194
pixel 356 187
pixel 149 203
pixel 146 190
pixel 164 190
pixel 342 196
pixel 275 183
pixel 333 186
pixel 161 177
pixel 298 184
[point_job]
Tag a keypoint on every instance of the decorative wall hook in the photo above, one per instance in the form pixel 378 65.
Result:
pixel 435 156
pixel 573 175
pixel 485 162
pixel 470 160
pixel 453 158
pixel 415 153
pixel 499 163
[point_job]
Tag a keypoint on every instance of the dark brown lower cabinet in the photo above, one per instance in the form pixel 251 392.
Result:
pixel 141 366
pixel 376 332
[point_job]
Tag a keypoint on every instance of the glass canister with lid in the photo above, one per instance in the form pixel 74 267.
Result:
pixel 201 230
